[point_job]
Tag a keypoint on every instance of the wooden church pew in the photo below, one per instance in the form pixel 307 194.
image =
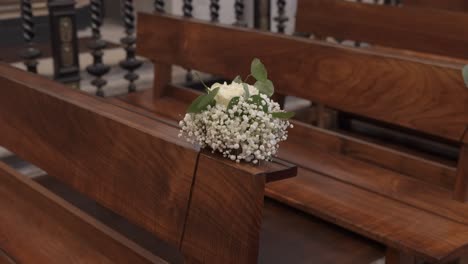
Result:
pixel 430 30
pixel 398 198
pixel 208 208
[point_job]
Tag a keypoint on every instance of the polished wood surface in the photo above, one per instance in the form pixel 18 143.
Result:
pixel 99 149
pixel 337 171
pixel 291 236
pixel 397 197
pixel 39 227
pixel 173 107
pixel 367 83
pixel 136 166
pixel 411 28
pixel 213 206
pixel 287 235
pixel 395 224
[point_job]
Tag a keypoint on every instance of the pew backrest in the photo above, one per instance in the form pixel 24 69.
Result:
pixel 120 160
pixel 207 207
pixel 408 26
pixel 418 94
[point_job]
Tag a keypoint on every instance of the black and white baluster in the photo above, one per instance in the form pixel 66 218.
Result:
pixel 187 9
pixel 98 68
pixel 131 63
pixel 30 54
pixel 281 19
pixel 239 9
pixel 159 6
pixel 214 11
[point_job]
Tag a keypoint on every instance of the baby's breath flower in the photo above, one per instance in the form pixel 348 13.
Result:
pixel 241 133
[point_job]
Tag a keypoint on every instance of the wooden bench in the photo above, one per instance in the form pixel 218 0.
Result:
pixel 400 198
pixel 208 208
pixel 433 29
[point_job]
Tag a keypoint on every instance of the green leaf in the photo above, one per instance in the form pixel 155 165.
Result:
pixel 258 70
pixel 465 74
pixel 257 99
pixel 234 101
pixel 265 87
pixel 202 102
pixel 246 90
pixel 283 115
pixel 238 79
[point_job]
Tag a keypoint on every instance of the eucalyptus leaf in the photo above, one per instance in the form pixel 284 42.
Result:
pixel 234 101
pixel 465 74
pixel 257 99
pixel 258 70
pixel 265 87
pixel 203 101
pixel 246 90
pixel 283 115
pixel 238 79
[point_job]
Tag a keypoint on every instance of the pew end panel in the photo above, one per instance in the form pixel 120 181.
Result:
pixel 225 213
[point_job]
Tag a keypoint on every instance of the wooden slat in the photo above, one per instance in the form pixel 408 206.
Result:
pixel 368 83
pixel 393 223
pixel 429 30
pixel 38 227
pixel 131 164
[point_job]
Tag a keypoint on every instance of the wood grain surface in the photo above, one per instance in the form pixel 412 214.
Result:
pixel 430 30
pixel 368 83
pixel 131 164
pixel 38 227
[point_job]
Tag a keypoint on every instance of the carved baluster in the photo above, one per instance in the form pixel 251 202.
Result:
pixel 187 9
pixel 131 63
pixel 214 11
pixel 30 54
pixel 98 68
pixel 281 19
pixel 239 8
pixel 159 6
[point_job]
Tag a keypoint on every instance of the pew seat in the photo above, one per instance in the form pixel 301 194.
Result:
pixel 39 227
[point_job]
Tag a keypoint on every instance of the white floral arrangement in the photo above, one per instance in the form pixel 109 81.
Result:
pixel 238 120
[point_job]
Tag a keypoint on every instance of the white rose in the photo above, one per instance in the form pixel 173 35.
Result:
pixel 228 91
